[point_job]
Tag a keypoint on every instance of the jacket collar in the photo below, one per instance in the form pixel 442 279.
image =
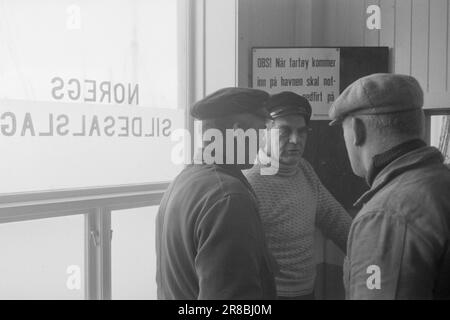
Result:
pixel 380 161
pixel 237 173
pixel 228 169
pixel 411 160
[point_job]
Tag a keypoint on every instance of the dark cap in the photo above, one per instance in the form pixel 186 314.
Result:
pixel 288 103
pixel 228 101
pixel 380 93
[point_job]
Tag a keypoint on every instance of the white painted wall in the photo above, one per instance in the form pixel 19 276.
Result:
pixel 416 31
pixel 220 44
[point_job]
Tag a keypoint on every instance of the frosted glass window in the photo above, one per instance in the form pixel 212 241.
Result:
pixel 42 259
pixel 133 253
pixel 45 44
pixel 90 92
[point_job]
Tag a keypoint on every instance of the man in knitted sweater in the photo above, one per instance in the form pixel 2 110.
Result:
pixel 293 201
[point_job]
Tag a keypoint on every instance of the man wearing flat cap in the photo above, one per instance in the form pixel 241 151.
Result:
pixel 293 201
pixel 209 239
pixel 398 246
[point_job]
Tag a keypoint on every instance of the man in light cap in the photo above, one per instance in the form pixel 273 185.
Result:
pixel 398 246
pixel 293 201
pixel 209 239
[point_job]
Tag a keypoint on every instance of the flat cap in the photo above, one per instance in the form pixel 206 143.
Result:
pixel 287 103
pixel 379 93
pixel 228 101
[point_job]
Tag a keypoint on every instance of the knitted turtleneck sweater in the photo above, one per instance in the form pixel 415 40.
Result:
pixel 291 205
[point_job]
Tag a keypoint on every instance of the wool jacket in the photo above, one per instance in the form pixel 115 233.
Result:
pixel 209 239
pixel 398 246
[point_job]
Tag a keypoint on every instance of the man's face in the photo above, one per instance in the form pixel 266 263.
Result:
pixel 293 135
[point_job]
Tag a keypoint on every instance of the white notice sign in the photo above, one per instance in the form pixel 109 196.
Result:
pixel 310 72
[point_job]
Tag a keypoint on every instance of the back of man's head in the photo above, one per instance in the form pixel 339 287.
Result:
pixel 390 105
pixel 230 109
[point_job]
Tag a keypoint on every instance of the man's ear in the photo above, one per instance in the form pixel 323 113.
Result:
pixel 359 132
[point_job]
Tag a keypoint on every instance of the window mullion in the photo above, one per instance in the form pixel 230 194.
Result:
pixel 98 254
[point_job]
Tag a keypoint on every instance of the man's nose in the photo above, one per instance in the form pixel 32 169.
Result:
pixel 294 138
